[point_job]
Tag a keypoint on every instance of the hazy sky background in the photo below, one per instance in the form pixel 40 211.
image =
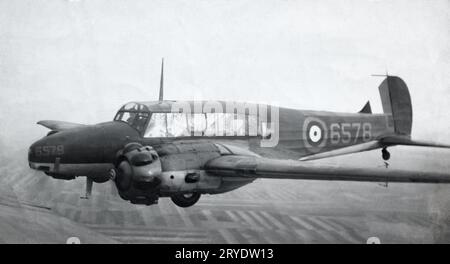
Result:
pixel 81 60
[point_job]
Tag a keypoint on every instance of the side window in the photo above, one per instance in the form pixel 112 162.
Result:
pixel 239 124
pixel 266 130
pixel 177 125
pixel 252 125
pixel 157 127
pixel 201 124
pixel 214 125
pixel 197 124
pixel 228 124
pixel 234 124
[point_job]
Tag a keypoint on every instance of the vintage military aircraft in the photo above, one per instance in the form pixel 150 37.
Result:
pixel 182 149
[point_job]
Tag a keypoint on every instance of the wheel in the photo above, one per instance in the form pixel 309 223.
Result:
pixel 185 199
pixel 385 154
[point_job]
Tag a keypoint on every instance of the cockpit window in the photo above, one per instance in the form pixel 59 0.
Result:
pixel 137 120
pixel 125 117
pixel 132 107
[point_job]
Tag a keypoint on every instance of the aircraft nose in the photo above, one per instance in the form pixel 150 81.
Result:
pixel 43 153
pixel 30 154
pixel 72 146
pixel 39 154
pixel 32 158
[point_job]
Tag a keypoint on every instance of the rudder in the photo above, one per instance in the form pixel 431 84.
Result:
pixel 396 100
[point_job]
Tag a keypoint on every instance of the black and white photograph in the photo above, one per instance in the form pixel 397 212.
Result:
pixel 228 122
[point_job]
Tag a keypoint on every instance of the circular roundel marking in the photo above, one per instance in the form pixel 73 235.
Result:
pixel 314 133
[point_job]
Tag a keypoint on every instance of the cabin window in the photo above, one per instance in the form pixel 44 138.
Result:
pixel 201 124
pixel 252 124
pixel 266 130
pixel 157 127
pixel 214 125
pixel 234 124
pixel 225 124
pixel 177 125
pixel 197 124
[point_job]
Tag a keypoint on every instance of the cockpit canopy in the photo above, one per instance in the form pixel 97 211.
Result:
pixel 157 119
pixel 136 115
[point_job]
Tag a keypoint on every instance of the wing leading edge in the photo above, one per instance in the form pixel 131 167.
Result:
pixel 257 167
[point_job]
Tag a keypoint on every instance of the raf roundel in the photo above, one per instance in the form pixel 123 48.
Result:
pixel 315 133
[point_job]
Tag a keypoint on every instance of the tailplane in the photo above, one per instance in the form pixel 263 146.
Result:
pixel 396 102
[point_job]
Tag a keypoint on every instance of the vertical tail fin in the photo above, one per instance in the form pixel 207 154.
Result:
pixel 396 101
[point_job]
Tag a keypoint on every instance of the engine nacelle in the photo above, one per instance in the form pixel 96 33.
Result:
pixel 138 173
pixel 143 174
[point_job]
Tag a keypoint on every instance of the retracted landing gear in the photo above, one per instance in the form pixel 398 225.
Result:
pixel 385 154
pixel 88 193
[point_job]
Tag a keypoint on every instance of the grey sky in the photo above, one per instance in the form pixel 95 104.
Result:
pixel 81 60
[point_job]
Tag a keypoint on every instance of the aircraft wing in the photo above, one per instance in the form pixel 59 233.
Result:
pixel 374 144
pixel 258 167
pixel 58 125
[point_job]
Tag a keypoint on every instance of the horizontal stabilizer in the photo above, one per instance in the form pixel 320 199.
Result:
pixel 381 143
pixel 58 125
pixel 406 141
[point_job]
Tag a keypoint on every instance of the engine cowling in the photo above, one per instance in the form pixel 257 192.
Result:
pixel 138 173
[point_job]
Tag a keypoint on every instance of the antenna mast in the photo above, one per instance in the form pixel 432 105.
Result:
pixel 161 83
